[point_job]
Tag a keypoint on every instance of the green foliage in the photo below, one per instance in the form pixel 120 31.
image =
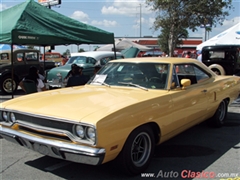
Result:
pixel 67 53
pixel 81 50
pixel 95 48
pixel 164 36
pixel 30 47
pixel 187 14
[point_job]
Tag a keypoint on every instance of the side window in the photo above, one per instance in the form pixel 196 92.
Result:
pixel 192 72
pixel 185 71
pixel 4 56
pixel 31 56
pixel 91 61
pixel 120 57
pixel 201 75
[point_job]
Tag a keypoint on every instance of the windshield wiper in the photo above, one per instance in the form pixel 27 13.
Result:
pixel 136 85
pixel 102 83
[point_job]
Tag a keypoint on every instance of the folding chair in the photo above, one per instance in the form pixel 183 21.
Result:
pixel 29 86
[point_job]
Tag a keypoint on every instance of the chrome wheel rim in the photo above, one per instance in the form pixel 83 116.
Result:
pixel 221 111
pixel 141 149
pixel 7 85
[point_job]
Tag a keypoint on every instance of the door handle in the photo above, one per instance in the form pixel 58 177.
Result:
pixel 204 91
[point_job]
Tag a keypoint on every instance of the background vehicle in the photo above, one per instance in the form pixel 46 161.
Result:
pixel 87 60
pixel 54 56
pixel 223 60
pixel 23 59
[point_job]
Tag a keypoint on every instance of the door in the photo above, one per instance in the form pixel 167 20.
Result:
pixel 190 104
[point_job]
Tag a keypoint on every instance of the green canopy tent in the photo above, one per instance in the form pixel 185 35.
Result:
pixel 30 23
pixel 33 24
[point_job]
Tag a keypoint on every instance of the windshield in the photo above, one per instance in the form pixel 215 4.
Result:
pixel 138 75
pixel 218 55
pixel 81 60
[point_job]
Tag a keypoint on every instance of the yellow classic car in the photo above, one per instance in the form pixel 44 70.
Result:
pixel 122 113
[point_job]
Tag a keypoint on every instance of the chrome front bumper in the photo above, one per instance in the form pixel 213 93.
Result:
pixel 56 149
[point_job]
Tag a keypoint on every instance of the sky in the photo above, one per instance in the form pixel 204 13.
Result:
pixel 122 17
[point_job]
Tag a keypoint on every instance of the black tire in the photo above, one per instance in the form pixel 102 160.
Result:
pixel 137 152
pixel 6 85
pixel 220 115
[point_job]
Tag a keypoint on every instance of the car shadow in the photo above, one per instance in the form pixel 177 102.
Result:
pixel 195 149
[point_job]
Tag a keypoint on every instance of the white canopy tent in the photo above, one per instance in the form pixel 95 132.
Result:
pixel 123 44
pixel 229 37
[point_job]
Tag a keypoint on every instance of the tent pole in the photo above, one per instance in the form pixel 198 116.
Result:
pixel 44 60
pixel 12 76
pixel 114 49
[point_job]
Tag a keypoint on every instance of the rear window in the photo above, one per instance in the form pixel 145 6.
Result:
pixel 218 55
pixel 52 56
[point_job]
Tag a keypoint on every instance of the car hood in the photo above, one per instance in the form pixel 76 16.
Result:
pixel 77 103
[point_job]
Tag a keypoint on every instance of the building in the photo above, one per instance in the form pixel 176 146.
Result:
pixel 189 44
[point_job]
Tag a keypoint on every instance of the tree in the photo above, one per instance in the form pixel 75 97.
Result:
pixel 67 53
pixel 30 47
pixel 187 14
pixel 81 50
pixel 164 36
pixel 95 48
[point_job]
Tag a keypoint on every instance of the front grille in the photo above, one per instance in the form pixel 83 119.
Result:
pixel 45 122
pixel 46 134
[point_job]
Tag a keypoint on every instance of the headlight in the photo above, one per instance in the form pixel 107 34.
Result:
pixel 57 63
pixel 91 133
pixel 5 116
pixel 12 117
pixel 79 130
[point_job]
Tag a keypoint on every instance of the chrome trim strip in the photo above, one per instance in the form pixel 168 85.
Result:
pixel 53 131
pixel 63 146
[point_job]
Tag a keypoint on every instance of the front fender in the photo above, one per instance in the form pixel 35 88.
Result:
pixel 4 72
pixel 8 72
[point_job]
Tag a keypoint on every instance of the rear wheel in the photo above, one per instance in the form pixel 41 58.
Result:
pixel 6 85
pixel 220 115
pixel 217 69
pixel 137 151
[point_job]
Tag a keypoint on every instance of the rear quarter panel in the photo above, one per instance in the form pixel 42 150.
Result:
pixel 223 87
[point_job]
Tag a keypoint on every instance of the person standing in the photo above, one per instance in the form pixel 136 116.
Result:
pixel 77 78
pixel 164 54
pixel 188 55
pixel 199 56
pixel 71 72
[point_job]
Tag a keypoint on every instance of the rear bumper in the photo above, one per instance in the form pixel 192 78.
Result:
pixel 56 149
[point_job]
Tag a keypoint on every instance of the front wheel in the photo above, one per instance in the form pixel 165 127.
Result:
pixel 220 115
pixel 6 85
pixel 137 151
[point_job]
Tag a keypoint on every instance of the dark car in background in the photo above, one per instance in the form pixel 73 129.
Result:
pixel 223 60
pixel 22 60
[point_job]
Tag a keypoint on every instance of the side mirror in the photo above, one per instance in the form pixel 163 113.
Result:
pixel 185 83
